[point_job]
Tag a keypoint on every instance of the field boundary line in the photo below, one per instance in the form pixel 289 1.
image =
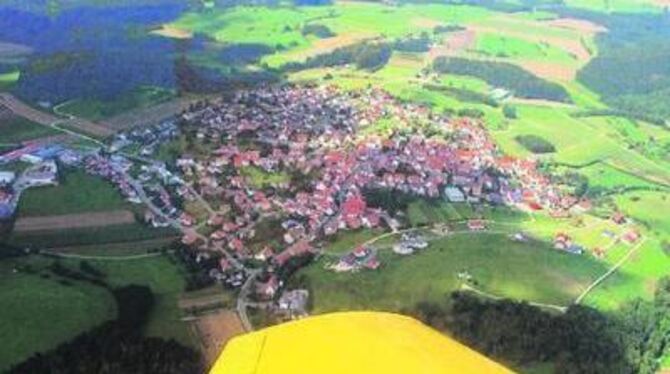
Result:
pixel 479 292
pixel 611 271
pixel 103 258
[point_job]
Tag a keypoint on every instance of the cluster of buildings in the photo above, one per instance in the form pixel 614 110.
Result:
pixel 363 257
pixel 320 139
pixel 409 243
pixel 146 139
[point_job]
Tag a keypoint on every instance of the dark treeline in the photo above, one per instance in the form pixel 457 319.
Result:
pixel 320 31
pixel 369 56
pixel 413 44
pixel 201 80
pixel 116 346
pixel 390 200
pixel 501 74
pixel 581 340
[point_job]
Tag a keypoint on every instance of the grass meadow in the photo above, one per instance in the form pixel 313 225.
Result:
pixel 35 298
pixel 95 110
pixel 527 271
pixel 77 192
pixel 17 129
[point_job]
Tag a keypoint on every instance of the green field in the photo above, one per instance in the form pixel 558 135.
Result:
pixel 42 312
pixel 96 110
pixel 77 192
pixel 528 271
pixel 493 45
pixel 17 129
pixel 111 234
pixel 8 80
pixel 261 179
pixel 39 313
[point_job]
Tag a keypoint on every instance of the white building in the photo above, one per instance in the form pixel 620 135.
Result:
pixel 7 177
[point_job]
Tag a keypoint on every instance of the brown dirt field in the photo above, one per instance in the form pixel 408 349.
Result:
pixel 580 25
pixel 22 110
pixel 172 32
pixel 89 127
pixel 454 43
pixel 550 71
pixel 215 330
pixel 71 221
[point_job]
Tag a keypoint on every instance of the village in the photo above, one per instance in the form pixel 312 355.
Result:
pixel 306 162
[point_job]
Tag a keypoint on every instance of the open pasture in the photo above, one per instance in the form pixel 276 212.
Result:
pixel 528 271
pixel 77 192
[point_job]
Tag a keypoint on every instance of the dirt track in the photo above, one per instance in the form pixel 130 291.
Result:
pixel 73 221
pixel 22 110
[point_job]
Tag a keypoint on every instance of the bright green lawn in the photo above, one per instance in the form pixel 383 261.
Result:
pixel 495 45
pixel 605 176
pixel 78 192
pixel 96 110
pixel 39 313
pixel 165 280
pixel 7 80
pixel 500 266
pixel 18 129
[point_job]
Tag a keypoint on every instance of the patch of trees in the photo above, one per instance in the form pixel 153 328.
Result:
pixel 9 251
pixel 117 346
pixel 443 29
pixel 502 74
pixel 191 78
pixel 244 53
pixel 368 56
pixel 197 272
pixel 535 143
pixel 509 111
pixel 318 30
pixel 413 44
pixel 581 340
pixel 387 199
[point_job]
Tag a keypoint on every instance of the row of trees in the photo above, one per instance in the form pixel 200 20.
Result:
pixel 368 56
pixel 502 74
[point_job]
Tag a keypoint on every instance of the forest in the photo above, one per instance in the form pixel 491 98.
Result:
pixel 641 85
pixel 581 340
pixel 501 74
